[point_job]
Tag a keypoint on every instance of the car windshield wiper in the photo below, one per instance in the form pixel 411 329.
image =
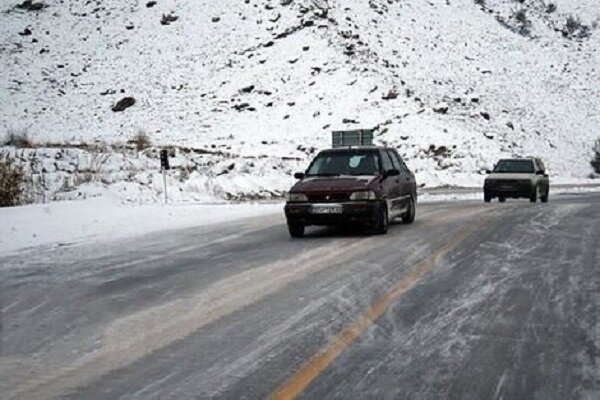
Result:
pixel 324 174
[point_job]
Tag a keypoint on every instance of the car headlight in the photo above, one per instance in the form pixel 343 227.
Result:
pixel 297 197
pixel 366 195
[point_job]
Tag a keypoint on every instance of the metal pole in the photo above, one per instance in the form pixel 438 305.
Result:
pixel 165 185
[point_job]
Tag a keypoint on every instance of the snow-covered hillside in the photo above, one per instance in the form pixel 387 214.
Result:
pixel 452 83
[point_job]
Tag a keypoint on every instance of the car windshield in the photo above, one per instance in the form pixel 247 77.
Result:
pixel 342 163
pixel 514 166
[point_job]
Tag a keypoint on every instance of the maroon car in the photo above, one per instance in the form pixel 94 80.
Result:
pixel 366 186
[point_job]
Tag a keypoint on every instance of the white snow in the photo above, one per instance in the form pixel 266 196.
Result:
pixel 188 76
pixel 75 222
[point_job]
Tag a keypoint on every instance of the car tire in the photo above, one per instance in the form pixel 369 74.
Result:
pixel 487 198
pixel 383 220
pixel 534 196
pixel 409 216
pixel 296 230
pixel 502 199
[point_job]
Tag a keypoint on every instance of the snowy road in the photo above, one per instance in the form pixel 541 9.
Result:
pixel 472 301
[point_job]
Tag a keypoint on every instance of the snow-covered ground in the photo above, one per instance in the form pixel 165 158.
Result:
pixel 451 84
pixel 74 222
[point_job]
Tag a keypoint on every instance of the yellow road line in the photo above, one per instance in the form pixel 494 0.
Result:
pixel 298 382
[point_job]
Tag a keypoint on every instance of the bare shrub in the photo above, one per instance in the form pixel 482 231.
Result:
pixel 521 15
pixel 141 141
pixel 551 7
pixel 19 139
pixel 12 180
pixel 574 28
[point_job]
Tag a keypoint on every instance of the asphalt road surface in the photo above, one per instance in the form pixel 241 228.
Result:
pixel 472 301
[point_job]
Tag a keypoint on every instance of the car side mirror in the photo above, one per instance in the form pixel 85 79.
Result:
pixel 487 171
pixel 541 173
pixel 391 172
pixel 299 175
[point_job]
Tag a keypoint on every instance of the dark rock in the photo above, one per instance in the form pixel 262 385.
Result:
pixel 241 106
pixel 123 104
pixel 510 125
pixel 167 19
pixel 485 115
pixel 306 48
pixel 349 121
pixel 441 108
pixel 247 89
pixel 25 32
pixel 308 23
pixel 151 4
pixel 29 5
pixel 215 19
pixel 391 95
pixel 269 44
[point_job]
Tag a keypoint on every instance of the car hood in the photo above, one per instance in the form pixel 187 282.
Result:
pixel 333 184
pixel 499 177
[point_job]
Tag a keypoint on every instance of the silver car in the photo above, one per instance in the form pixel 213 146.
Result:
pixel 517 178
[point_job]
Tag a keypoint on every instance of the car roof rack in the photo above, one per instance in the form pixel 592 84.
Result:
pixel 352 138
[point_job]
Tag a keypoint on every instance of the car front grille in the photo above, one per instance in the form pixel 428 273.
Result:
pixel 328 197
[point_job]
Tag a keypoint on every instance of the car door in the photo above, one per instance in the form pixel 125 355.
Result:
pixel 390 183
pixel 407 185
pixel 397 182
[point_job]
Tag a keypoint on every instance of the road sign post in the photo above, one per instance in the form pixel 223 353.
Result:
pixel 164 167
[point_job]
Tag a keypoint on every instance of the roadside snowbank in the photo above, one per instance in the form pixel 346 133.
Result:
pixel 71 222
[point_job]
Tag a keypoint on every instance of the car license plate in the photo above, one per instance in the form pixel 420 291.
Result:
pixel 327 209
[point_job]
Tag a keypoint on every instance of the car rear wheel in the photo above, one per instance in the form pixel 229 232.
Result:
pixel 409 216
pixel 545 197
pixel 296 230
pixel 384 222
pixel 487 198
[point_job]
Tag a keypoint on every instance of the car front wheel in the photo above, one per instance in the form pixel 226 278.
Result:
pixel 383 220
pixel 296 230
pixel 534 196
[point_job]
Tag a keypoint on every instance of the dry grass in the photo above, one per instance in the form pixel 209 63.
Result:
pixel 12 180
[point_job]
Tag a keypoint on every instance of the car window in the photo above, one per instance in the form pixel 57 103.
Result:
pixel 387 162
pixel 514 166
pixel 394 161
pixel 341 163
pixel 403 168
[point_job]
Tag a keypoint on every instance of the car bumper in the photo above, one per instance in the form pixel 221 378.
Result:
pixel 512 190
pixel 358 213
